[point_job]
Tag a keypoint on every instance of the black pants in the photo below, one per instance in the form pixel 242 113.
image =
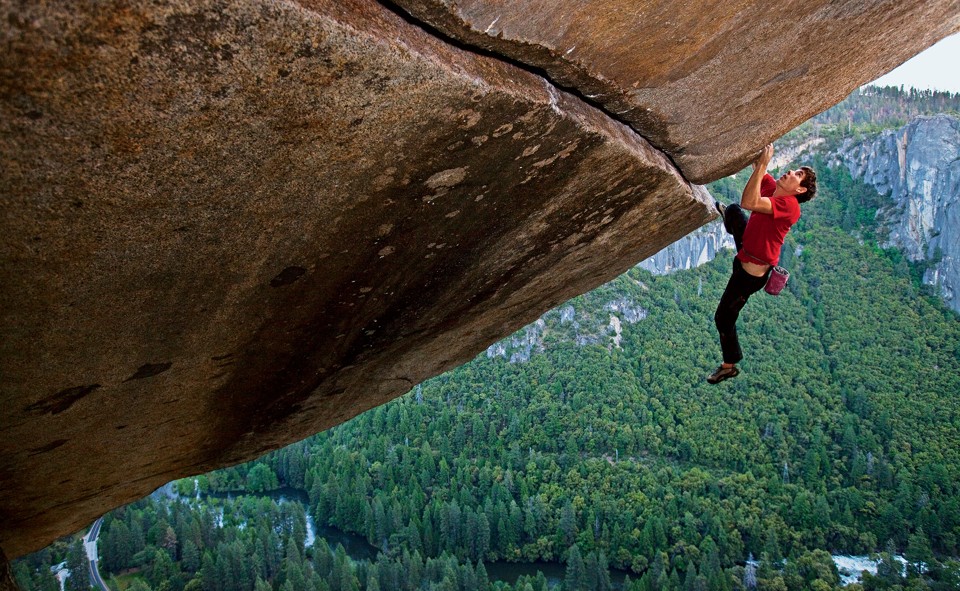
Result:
pixel 740 287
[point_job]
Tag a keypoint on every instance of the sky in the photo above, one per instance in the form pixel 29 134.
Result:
pixel 936 68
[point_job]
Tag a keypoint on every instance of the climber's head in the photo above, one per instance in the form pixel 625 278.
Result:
pixel 801 182
pixel 809 183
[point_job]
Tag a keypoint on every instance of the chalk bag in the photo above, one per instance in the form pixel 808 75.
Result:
pixel 776 281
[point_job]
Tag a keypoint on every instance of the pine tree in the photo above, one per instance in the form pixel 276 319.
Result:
pixel 163 569
pixel 190 560
pixel 590 565
pixel 118 546
pixel 568 524
pixel 918 553
pixel 79 567
pixel 690 582
pixel 603 573
pixel 576 577
pixel 888 568
pixel 771 547
pixel 208 573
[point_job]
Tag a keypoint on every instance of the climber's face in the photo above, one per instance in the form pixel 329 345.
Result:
pixel 789 182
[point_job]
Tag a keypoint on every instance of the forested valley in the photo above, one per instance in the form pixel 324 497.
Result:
pixel 597 444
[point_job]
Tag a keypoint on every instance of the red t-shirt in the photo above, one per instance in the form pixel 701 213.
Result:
pixel 765 232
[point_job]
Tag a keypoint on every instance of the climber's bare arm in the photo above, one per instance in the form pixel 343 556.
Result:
pixel 751 199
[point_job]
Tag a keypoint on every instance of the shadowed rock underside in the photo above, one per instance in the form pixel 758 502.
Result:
pixel 231 225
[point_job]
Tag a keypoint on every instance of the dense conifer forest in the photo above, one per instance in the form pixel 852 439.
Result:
pixel 841 435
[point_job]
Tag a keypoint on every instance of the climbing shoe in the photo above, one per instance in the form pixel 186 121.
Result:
pixel 723 373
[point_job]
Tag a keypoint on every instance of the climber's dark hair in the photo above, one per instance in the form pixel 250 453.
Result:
pixel 809 182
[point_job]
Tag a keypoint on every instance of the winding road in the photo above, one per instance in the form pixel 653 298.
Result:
pixel 90 544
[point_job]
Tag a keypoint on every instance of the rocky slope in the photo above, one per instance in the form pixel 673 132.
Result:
pixel 918 166
pixel 593 321
pixel 693 250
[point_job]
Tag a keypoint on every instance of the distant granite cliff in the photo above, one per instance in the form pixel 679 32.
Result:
pixel 918 166
pixel 693 250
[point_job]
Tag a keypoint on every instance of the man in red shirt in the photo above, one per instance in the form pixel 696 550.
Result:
pixel 775 207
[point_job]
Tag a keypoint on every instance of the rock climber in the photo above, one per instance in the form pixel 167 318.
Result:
pixel 775 207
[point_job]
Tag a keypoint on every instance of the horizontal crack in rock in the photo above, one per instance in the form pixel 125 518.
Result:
pixel 536 71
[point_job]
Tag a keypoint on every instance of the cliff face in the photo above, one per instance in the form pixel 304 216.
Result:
pixel 229 225
pixel 919 167
pixel 691 251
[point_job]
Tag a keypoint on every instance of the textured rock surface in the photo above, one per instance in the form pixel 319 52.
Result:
pixel 707 81
pixel 229 225
pixel 919 167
